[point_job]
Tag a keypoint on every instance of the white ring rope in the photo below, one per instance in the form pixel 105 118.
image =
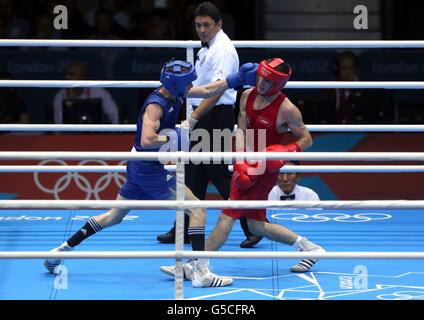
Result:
pixel 133 127
pixel 70 127
pixel 207 254
pixel 215 156
pixel 211 204
pixel 171 168
pixel 314 44
pixel 154 84
pixel 79 83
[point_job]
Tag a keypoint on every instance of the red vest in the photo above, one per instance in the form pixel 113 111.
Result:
pixel 265 118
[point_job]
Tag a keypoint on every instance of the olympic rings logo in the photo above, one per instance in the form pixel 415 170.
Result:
pixel 91 189
pixel 402 295
pixel 331 216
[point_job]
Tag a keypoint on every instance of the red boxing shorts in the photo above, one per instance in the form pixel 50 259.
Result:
pixel 259 191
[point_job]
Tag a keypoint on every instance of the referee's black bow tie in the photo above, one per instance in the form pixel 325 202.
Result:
pixel 205 44
pixel 290 197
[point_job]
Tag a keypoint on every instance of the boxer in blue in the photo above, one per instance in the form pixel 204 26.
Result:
pixel 149 180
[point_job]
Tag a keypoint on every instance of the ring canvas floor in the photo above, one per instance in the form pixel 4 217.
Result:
pixel 335 230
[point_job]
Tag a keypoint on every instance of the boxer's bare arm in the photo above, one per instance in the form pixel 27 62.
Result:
pixel 209 90
pixel 151 123
pixel 291 116
pixel 242 121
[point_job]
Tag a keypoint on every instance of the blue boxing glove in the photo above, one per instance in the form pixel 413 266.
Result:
pixel 252 75
pixel 238 80
pixel 178 140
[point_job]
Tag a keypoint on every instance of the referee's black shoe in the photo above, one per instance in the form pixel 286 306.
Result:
pixel 251 241
pixel 169 237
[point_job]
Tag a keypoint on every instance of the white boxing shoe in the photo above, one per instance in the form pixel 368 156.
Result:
pixel 188 268
pixel 51 264
pixel 203 277
pixel 199 273
pixel 306 264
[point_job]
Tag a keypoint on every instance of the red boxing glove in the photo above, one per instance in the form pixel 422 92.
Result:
pixel 275 165
pixel 241 177
pixel 293 147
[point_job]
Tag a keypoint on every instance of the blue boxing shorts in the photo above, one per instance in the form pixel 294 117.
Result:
pixel 147 180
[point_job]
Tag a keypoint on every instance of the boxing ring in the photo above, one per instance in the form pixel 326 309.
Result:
pixel 374 248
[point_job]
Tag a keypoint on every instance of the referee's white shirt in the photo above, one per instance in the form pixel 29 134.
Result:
pixel 301 194
pixel 216 63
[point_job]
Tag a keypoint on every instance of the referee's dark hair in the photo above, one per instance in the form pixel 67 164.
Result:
pixel 208 9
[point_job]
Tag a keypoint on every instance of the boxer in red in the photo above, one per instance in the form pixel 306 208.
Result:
pixel 265 107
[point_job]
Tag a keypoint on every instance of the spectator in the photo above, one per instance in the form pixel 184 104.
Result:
pixel 79 71
pixel 178 21
pixel 117 10
pixel 15 27
pixel 12 107
pixel 103 26
pixel 345 107
pixel 44 29
pixel 156 28
pixel 145 8
pixel 77 27
pixel 104 29
pixel 353 106
pixel 228 21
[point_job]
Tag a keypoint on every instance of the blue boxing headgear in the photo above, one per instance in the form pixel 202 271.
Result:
pixel 176 76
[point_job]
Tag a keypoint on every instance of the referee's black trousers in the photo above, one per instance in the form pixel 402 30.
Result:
pixel 197 176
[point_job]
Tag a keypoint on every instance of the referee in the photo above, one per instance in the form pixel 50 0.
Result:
pixel 216 60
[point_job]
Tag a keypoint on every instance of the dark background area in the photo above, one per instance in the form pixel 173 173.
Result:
pixel 242 20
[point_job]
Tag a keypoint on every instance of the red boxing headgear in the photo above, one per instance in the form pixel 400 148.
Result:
pixel 267 70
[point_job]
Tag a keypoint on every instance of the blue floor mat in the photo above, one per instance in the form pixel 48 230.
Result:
pixel 335 230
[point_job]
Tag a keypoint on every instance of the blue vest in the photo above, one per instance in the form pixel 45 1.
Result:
pixel 171 111
pixel 149 179
pixel 143 172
